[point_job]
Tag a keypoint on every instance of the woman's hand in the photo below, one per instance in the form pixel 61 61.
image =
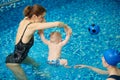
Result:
pixel 60 24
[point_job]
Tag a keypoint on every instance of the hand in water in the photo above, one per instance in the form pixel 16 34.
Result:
pixel 79 66
pixel 67 66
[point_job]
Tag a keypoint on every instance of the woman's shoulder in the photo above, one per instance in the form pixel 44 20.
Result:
pixel 24 22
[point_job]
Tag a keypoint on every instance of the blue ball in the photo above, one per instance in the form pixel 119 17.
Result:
pixel 94 29
pixel 112 57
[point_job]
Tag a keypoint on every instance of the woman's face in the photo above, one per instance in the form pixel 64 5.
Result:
pixel 41 18
pixel 104 62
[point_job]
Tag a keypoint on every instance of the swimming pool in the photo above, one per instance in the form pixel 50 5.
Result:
pixel 82 48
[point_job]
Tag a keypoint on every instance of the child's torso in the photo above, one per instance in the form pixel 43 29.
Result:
pixel 54 51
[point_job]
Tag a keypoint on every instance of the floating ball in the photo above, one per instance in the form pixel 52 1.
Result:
pixel 112 57
pixel 94 29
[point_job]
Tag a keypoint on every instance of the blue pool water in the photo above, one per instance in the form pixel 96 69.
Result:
pixel 82 48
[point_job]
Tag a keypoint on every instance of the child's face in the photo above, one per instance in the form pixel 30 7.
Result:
pixel 55 38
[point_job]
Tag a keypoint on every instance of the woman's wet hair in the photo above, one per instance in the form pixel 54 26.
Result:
pixel 34 10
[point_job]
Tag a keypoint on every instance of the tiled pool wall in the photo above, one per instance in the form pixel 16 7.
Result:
pixel 6 5
pixel 9 12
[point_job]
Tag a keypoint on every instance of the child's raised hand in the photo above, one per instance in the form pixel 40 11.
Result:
pixel 40 31
pixel 69 31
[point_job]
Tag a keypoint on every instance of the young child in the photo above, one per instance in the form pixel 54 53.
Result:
pixel 110 60
pixel 55 45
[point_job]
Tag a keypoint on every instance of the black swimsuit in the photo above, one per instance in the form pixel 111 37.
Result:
pixel 114 77
pixel 21 50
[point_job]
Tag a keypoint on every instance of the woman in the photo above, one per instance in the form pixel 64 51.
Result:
pixel 34 18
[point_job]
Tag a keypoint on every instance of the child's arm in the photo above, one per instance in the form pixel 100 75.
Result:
pixel 41 33
pixel 100 71
pixel 68 31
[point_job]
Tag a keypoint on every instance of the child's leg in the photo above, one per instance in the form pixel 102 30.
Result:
pixel 64 62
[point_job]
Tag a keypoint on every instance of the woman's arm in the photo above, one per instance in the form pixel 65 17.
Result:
pixel 41 33
pixel 39 26
pixel 100 71
pixel 68 31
